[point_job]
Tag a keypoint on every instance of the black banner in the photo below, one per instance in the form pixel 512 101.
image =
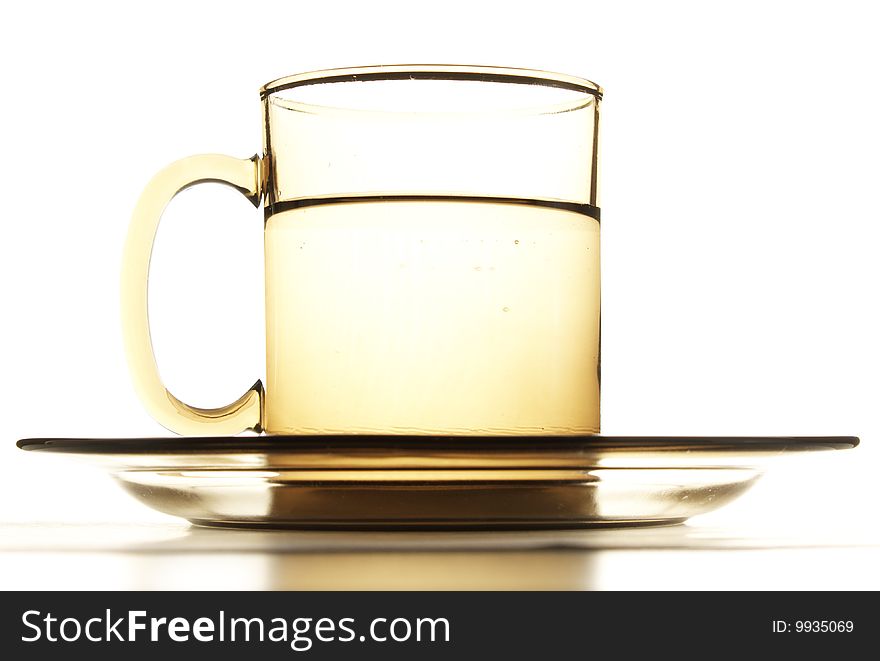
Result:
pixel 331 625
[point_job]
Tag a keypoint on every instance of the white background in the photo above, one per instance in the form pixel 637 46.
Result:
pixel 739 194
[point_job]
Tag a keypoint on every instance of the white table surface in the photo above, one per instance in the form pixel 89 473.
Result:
pixel 166 556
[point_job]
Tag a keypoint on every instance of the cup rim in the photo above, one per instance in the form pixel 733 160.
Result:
pixel 488 74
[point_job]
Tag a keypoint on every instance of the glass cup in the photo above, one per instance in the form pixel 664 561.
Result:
pixel 431 251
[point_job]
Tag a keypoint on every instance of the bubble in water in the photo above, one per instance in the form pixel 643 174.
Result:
pixel 505 309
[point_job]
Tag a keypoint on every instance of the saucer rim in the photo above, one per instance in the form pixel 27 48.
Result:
pixel 434 443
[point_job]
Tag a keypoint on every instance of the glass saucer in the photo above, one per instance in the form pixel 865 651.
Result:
pixel 458 482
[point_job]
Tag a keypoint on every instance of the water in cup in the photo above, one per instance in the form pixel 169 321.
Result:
pixel 380 308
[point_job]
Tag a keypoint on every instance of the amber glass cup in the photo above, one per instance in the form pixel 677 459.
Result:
pixel 431 250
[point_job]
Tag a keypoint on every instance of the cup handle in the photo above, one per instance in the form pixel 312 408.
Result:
pixel 245 175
